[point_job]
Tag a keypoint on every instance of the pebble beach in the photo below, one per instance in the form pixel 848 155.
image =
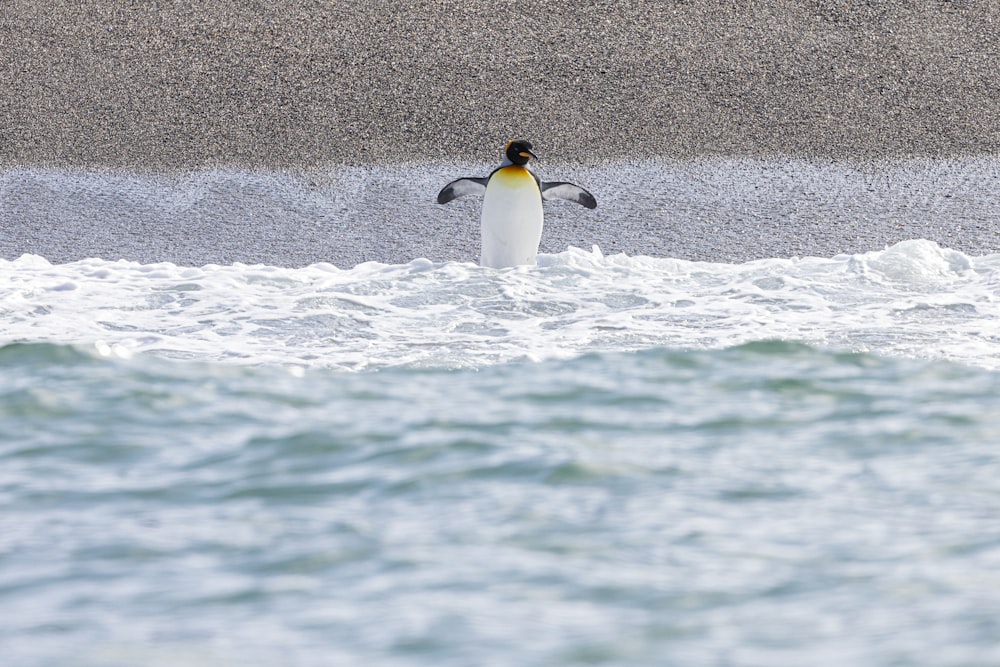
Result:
pixel 308 89
pixel 260 405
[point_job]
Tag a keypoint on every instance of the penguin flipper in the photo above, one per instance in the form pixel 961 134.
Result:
pixel 461 188
pixel 569 192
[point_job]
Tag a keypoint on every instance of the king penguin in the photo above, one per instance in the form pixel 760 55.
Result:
pixel 512 206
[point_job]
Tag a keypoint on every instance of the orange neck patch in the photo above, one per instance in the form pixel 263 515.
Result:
pixel 514 176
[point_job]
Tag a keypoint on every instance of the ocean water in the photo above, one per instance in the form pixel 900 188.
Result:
pixel 613 460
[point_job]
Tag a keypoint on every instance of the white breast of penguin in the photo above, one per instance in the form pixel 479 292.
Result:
pixel 512 218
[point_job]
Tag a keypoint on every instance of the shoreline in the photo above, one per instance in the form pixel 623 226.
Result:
pixel 655 106
pixel 713 209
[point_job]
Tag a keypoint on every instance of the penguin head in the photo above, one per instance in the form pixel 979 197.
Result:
pixel 519 151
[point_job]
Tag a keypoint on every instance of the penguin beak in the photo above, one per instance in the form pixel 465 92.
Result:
pixel 527 153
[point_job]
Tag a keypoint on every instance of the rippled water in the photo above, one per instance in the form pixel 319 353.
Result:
pixel 601 460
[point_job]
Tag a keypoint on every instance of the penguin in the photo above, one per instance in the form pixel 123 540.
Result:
pixel 512 206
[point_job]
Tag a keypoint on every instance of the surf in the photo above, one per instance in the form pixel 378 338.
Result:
pixel 914 299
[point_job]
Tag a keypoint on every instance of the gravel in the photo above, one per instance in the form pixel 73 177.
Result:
pixel 301 83
pixel 295 131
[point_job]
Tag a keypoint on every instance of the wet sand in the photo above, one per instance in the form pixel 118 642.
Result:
pixel 311 87
pixel 731 210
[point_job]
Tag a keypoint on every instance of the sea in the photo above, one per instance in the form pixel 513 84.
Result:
pixel 604 459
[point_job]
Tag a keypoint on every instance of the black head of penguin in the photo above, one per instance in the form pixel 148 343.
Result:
pixel 519 151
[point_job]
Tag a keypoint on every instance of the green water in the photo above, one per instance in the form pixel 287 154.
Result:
pixel 766 504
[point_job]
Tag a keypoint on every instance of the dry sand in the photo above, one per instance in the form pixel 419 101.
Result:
pixel 300 83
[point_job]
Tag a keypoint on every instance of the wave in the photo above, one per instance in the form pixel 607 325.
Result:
pixel 915 299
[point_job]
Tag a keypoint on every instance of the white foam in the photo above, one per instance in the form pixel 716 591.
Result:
pixel 914 299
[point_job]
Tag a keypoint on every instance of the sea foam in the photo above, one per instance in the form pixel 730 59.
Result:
pixel 913 299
